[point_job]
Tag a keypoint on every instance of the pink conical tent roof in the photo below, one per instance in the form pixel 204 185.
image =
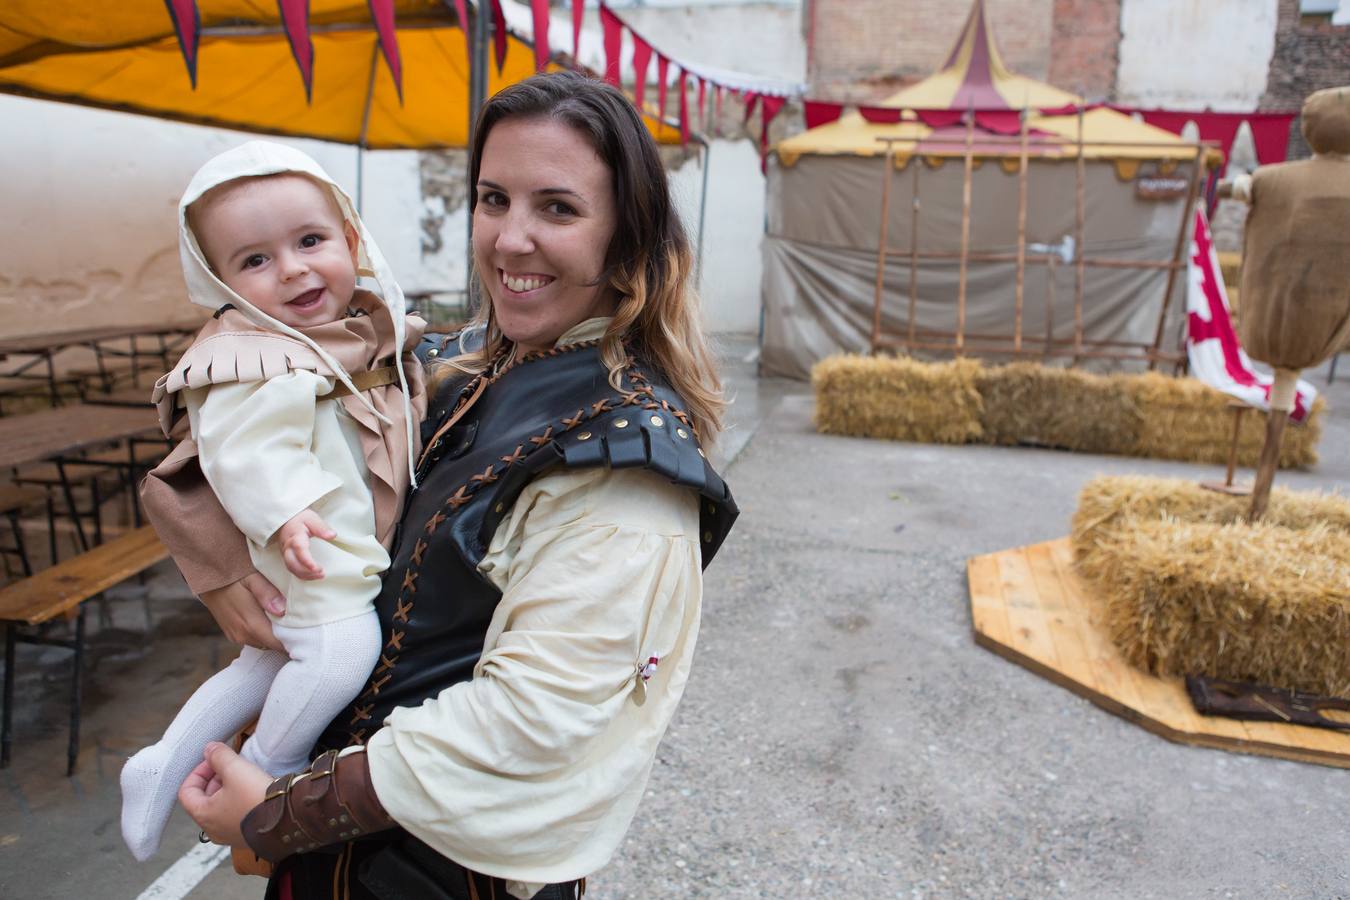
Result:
pixel 974 76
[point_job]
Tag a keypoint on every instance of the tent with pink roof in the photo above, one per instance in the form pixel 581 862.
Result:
pixel 1102 207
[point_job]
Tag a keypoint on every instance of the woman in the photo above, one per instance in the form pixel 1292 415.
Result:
pixel 541 611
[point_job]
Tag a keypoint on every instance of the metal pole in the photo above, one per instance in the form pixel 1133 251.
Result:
pixel 702 209
pixel 365 124
pixel 1080 273
pixel 965 232
pixel 889 163
pixel 1186 214
pixel 478 90
pixel 1021 232
pixel 916 163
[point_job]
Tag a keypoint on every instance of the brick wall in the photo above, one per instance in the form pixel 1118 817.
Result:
pixel 863 49
pixel 1307 59
pixel 1084 47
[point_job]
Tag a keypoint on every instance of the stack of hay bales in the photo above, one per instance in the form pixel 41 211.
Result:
pixel 1025 403
pixel 1187 587
pixel 898 399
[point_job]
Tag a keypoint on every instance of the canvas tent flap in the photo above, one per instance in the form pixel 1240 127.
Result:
pixel 125 56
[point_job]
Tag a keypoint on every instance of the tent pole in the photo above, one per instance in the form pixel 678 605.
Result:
pixel 1176 255
pixel 916 164
pixel 702 210
pixel 881 243
pixel 1080 272
pixel 478 85
pixel 1049 304
pixel 965 231
pixel 365 126
pixel 1021 231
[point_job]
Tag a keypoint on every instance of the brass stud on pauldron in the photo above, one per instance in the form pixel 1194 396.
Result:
pixel 682 433
pixel 584 436
pixel 622 423
pixel 657 421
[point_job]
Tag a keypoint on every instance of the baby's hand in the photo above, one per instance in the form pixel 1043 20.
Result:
pixel 294 539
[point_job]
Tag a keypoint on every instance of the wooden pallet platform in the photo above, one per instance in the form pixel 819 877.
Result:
pixel 1028 606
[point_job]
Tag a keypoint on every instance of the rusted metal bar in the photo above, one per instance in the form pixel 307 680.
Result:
pixel 915 164
pixel 965 230
pixel 881 244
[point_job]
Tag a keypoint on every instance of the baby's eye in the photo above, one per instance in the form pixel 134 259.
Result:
pixel 254 261
pixel 311 240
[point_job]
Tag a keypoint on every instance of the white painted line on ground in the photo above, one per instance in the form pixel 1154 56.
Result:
pixel 181 877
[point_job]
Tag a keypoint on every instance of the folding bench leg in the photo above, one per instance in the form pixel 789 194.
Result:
pixel 75 693
pixel 7 715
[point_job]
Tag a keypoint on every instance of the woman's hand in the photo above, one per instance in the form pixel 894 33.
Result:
pixel 218 812
pixel 239 611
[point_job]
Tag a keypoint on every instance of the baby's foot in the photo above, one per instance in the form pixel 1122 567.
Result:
pixel 149 790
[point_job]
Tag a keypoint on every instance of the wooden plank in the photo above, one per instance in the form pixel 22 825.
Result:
pixel 68 584
pixel 1036 591
pixel 34 437
pixel 1027 621
pixel 988 614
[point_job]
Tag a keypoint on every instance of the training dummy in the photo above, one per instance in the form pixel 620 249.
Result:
pixel 301 408
pixel 1295 309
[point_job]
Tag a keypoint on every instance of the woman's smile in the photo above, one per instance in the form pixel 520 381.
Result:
pixel 523 283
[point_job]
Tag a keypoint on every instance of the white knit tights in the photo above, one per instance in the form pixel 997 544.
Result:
pixel 294 695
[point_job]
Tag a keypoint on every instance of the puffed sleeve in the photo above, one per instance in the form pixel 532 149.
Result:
pixel 255 441
pixel 533 770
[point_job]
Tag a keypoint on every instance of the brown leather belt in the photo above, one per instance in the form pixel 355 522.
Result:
pixel 364 381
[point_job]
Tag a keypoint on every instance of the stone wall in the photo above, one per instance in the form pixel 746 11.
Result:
pixel 1307 58
pixel 1084 47
pixel 865 49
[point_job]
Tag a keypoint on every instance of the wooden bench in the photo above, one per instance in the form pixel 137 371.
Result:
pixel 61 591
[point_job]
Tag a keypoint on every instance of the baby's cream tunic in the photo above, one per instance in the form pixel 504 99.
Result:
pixel 269 450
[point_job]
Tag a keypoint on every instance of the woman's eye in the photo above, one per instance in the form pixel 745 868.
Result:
pixel 254 261
pixel 310 240
pixel 494 199
pixel 559 208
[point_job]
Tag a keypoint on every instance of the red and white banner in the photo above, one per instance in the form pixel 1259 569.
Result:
pixel 1216 356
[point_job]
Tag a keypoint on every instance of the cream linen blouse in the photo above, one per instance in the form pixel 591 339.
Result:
pixel 533 770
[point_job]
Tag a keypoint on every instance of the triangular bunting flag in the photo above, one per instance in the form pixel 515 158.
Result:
pixel 613 30
pixel 662 66
pixel 462 11
pixel 498 35
pixel 702 107
pixel 684 107
pixel 295 21
pixel 540 10
pixel 818 114
pixel 382 12
pixel 770 107
pixel 750 100
pixel 642 57
pixel 578 12
pixel 187 24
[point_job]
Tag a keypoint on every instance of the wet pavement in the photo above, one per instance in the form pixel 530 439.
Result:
pixel 841 736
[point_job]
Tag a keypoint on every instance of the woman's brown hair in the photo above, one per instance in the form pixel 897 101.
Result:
pixel 648 263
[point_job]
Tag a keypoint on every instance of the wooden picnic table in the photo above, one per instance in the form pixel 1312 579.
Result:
pixel 51 341
pixel 53 433
pixel 39 350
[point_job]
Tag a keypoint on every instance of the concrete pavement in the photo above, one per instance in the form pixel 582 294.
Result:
pixel 842 735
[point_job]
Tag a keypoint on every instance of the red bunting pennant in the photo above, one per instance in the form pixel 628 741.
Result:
pixel 382 13
pixel 642 57
pixel 662 64
pixel 295 21
pixel 1270 134
pixel 613 30
pixel 540 10
pixel 770 106
pixel 187 24
pixel 578 12
pixel 461 10
pixel 498 35
pixel 818 114
pixel 886 115
pixel 684 108
pixel 702 108
pixel 750 99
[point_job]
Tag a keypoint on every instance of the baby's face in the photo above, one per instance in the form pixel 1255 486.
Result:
pixel 281 244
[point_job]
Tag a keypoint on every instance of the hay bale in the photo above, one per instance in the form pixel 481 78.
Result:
pixel 1188 588
pixel 1028 403
pixel 1186 419
pixel 897 398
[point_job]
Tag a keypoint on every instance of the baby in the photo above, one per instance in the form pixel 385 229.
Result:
pixel 301 417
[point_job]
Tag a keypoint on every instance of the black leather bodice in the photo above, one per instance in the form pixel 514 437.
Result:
pixel 549 410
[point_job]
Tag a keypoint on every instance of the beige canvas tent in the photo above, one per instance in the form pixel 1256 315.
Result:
pixel 1105 202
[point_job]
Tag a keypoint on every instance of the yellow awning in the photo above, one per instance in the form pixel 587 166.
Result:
pixel 125 56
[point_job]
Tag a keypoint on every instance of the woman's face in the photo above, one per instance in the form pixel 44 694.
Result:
pixel 542 226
